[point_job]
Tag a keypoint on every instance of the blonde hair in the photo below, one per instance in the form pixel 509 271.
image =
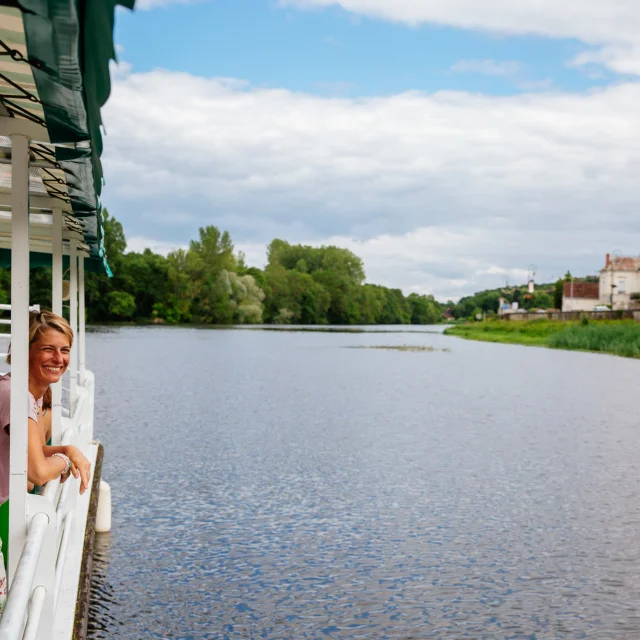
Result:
pixel 41 321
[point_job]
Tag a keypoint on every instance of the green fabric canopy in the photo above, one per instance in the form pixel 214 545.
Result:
pixel 39 259
pixel 68 46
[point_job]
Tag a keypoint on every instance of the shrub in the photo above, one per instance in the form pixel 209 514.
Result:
pixel 618 338
pixel 121 304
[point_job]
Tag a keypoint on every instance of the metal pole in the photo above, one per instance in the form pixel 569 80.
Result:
pixel 73 321
pixel 56 297
pixel 81 320
pixel 19 348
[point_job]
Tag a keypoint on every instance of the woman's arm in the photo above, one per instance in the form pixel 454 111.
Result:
pixel 80 466
pixel 40 468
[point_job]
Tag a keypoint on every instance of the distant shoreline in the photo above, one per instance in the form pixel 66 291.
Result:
pixel 614 337
pixel 373 328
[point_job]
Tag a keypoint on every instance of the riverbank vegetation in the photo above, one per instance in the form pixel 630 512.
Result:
pixel 210 283
pixel 616 337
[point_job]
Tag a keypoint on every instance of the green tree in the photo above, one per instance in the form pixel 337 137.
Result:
pixel 314 259
pixel 205 260
pixel 294 297
pixel 121 305
pixel 369 301
pixel 145 276
pixel 558 294
pixel 395 307
pixel 424 309
pixel 99 286
pixel 343 307
pixel 242 298
pixel 542 300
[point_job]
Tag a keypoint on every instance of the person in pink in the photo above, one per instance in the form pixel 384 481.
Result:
pixel 50 340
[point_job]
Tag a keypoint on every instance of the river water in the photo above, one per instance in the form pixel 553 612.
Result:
pixel 270 484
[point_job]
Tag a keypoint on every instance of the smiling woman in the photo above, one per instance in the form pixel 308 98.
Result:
pixel 50 340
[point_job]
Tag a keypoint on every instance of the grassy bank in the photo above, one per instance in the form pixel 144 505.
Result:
pixel 617 337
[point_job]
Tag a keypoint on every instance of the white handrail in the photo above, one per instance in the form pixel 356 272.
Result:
pixel 63 498
pixel 7 307
pixel 12 620
pixel 62 555
pixel 51 489
pixel 46 558
pixel 35 612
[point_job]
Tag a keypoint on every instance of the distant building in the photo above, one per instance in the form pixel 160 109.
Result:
pixel 506 308
pixel 580 296
pixel 619 281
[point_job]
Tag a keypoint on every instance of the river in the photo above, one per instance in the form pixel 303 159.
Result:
pixel 272 484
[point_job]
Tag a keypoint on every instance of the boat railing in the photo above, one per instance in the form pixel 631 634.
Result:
pixel 45 542
pixel 26 606
pixel 36 587
pixel 7 322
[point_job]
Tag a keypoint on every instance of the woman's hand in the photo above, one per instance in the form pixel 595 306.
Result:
pixel 80 467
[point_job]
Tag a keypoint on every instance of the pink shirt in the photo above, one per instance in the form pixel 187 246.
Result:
pixel 5 413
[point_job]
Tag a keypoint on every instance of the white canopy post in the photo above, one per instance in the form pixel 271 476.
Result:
pixel 19 348
pixel 81 321
pixel 56 298
pixel 73 321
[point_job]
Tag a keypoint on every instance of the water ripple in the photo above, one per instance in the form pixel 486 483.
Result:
pixel 277 485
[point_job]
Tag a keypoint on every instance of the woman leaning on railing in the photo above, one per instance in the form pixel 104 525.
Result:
pixel 50 340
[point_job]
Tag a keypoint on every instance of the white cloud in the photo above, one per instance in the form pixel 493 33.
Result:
pixel 592 21
pixel 613 26
pixel 487 67
pixel 621 59
pixel 120 69
pixel 137 244
pixel 154 4
pixel 446 192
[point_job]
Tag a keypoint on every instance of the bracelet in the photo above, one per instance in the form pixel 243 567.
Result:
pixel 66 459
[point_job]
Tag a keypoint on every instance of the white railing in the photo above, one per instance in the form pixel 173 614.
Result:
pixel 35 612
pixel 34 594
pixel 7 307
pixel 12 621
pixel 62 555
pixel 7 336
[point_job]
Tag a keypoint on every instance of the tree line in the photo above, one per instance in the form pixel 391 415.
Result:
pixel 210 283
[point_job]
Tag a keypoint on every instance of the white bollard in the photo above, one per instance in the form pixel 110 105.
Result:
pixel 103 517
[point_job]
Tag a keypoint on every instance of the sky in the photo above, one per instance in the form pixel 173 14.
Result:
pixel 453 145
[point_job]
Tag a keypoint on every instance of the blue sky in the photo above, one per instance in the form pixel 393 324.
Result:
pixel 451 145
pixel 332 51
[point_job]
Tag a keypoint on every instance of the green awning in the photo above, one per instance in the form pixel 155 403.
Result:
pixel 55 72
pixel 38 259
